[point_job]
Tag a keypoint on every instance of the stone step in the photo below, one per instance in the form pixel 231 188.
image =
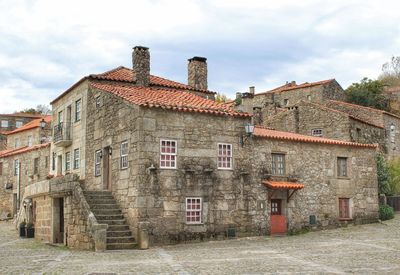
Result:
pixel 112 222
pixel 101 201
pixel 117 227
pixel 109 217
pixel 123 233
pixel 120 239
pixel 99 197
pixel 103 206
pixel 118 246
pixel 97 212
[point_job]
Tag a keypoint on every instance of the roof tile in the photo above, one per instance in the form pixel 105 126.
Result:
pixel 31 125
pixel 273 134
pixel 282 184
pixel 168 99
pixel 17 151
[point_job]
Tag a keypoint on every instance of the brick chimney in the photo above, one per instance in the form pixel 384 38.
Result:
pixel 141 66
pixel 197 72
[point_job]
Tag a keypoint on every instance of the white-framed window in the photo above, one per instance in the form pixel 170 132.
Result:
pixel 97 163
pixel 30 141
pixel 224 156
pixel 16 167
pixel 4 124
pixel 76 158
pixel 16 143
pixel 317 132
pixel 18 124
pixel 194 209
pixel 78 110
pixel 278 164
pixel 67 161
pixel 392 133
pixel 168 151
pixel 124 155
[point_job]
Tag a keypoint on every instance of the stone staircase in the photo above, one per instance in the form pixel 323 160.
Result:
pixel 106 211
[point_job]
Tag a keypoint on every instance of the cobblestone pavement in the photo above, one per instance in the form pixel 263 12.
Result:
pixel 366 249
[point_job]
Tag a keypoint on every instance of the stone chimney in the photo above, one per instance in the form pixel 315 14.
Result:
pixel 141 66
pixel 197 72
pixel 252 90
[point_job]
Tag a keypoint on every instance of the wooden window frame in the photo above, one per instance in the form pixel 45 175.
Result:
pixel 77 158
pixel 314 134
pixel 97 163
pixel 168 157
pixel 78 111
pixel 67 161
pixel 340 169
pixel 124 153
pixel 225 156
pixel 345 209
pixel 274 164
pixel 194 215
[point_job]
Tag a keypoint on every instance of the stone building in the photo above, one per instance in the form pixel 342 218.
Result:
pixel 393 96
pixel 10 122
pixel 26 160
pixel 140 156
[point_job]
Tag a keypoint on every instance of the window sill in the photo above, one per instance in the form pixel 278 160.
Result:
pixel 225 169
pixel 168 168
pixel 345 219
pixel 195 223
pixel 344 178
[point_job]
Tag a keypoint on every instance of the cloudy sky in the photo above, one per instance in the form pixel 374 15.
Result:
pixel 47 45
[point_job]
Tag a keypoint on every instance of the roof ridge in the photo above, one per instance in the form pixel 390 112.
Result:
pixel 299 86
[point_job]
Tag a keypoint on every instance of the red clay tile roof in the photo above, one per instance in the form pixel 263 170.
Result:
pixel 273 134
pixel 168 99
pixel 352 115
pixel 126 75
pixel 290 86
pixel 355 106
pixel 17 151
pixel 27 115
pixel 282 184
pixel 31 125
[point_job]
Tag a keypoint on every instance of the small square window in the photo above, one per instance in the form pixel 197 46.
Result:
pixel 224 156
pixel 168 151
pixel 341 167
pixel 16 143
pixel 18 124
pixel 309 97
pixel 30 141
pixel 194 211
pixel 316 132
pixel 278 164
pixel 4 124
pixel 285 102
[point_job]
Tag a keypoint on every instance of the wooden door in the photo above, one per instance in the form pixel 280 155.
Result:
pixel 278 220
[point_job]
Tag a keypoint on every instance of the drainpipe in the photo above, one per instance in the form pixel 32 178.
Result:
pixel 18 185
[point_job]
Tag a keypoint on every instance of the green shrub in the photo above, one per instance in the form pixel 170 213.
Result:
pixel 386 212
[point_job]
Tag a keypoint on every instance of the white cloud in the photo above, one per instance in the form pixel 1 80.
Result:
pixel 47 45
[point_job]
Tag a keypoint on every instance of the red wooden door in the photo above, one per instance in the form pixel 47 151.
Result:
pixel 278 221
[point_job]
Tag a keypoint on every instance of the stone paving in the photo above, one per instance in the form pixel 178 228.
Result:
pixel 365 249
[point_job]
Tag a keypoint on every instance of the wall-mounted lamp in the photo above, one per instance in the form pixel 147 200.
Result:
pixel 249 128
pixel 42 123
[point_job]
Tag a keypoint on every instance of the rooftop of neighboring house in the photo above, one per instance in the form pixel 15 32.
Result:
pixel 289 86
pixel 21 115
pixel 362 112
pixel 262 132
pixel 21 150
pixel 32 124
pixel 174 100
